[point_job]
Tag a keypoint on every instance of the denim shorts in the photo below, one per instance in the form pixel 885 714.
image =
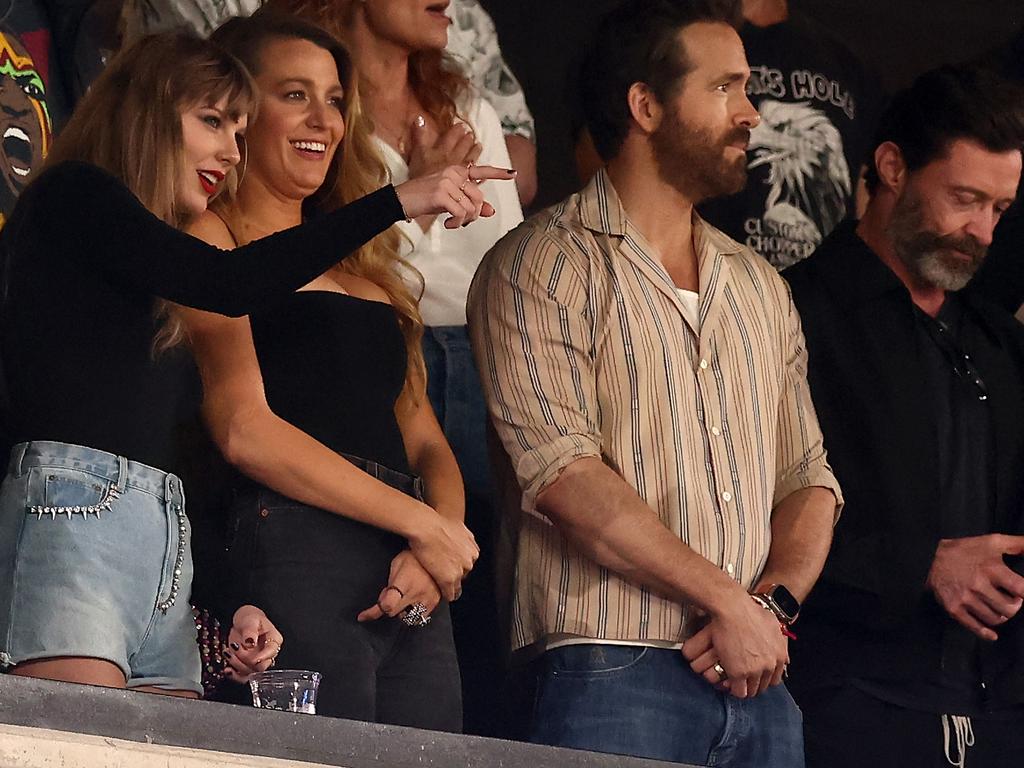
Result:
pixel 95 562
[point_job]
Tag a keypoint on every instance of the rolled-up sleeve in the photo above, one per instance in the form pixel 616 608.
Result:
pixel 801 459
pixel 531 334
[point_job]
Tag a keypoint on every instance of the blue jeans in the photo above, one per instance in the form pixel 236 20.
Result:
pixel 647 702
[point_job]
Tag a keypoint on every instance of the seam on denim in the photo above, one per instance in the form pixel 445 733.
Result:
pixel 608 670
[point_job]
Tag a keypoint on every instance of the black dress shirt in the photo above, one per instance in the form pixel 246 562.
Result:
pixel 920 458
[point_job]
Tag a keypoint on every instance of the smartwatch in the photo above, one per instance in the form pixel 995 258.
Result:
pixel 781 602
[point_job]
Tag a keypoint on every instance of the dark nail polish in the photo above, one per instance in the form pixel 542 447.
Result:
pixel 250 643
pixel 236 647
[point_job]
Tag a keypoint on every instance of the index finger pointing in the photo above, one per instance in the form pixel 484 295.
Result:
pixel 484 172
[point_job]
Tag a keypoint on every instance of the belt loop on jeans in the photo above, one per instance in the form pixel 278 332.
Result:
pixel 122 474
pixel 17 457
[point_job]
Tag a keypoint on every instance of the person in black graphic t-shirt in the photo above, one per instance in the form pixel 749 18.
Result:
pixel 818 110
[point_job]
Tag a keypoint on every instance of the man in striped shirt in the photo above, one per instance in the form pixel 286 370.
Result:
pixel 647 378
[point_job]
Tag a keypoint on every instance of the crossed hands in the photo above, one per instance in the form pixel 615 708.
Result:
pixel 408 584
pixel 973 584
pixel 741 650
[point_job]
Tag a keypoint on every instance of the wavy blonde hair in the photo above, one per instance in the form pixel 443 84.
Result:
pixel 436 79
pixel 356 171
pixel 129 124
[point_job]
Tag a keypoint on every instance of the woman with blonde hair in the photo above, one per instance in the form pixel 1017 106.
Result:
pixel 424 114
pixel 321 401
pixel 95 564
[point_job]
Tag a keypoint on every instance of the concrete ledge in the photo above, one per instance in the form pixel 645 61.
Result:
pixel 22 747
pixel 128 726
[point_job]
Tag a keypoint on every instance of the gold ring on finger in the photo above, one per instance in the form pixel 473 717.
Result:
pixel 720 670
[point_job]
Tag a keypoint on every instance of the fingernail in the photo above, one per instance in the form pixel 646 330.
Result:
pixel 236 647
pixel 420 121
pixel 513 171
pixel 250 643
pixel 227 654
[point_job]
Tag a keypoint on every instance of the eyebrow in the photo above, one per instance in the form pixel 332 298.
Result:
pixel 307 82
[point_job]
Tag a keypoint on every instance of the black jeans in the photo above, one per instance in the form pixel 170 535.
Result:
pixel 313 572
pixel 844 727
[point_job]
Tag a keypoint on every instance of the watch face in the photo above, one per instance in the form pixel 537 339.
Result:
pixel 785 600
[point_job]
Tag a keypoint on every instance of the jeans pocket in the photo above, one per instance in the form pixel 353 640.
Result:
pixel 593 659
pixel 67 488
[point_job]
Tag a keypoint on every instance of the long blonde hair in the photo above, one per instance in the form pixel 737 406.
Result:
pixel 356 171
pixel 129 124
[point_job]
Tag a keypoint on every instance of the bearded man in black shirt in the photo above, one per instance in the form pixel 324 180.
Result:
pixel 911 649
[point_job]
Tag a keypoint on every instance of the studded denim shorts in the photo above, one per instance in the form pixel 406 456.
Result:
pixel 95 562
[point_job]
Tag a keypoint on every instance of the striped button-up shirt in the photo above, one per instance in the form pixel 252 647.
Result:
pixel 585 350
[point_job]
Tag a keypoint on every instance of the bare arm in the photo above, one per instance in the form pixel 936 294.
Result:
pixel 431 457
pixel 801 536
pixel 273 452
pixel 603 517
pixel 523 154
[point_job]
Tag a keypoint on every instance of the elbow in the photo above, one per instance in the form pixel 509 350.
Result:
pixel 236 437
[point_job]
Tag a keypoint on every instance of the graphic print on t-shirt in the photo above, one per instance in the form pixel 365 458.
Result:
pixel 25 126
pixel 808 177
pixel 818 108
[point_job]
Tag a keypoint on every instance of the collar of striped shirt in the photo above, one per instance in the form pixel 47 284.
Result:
pixel 585 350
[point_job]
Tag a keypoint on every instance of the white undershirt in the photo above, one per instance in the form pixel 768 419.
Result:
pixel 691 305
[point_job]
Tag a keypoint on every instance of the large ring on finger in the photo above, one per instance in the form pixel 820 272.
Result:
pixel 415 615
pixel 722 674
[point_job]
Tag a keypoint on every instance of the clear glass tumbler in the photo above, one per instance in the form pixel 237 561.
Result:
pixel 290 690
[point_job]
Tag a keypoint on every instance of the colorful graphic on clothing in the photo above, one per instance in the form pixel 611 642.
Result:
pixel 25 125
pixel 808 176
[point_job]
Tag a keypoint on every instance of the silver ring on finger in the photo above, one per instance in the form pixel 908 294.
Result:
pixel 415 615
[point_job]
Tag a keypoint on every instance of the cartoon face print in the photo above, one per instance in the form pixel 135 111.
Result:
pixel 25 127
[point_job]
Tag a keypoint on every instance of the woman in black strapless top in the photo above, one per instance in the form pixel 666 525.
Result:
pixel 352 533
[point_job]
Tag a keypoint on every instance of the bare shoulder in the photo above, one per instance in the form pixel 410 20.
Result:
pixel 210 228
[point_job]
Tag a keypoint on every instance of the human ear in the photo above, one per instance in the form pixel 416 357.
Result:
pixel 890 165
pixel 644 107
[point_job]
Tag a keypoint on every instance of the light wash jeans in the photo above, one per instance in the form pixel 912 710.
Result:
pixel 95 561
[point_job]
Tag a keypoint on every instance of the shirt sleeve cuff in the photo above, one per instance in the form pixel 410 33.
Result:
pixel 819 478
pixel 539 468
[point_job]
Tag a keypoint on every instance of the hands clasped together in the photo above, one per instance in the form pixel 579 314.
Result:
pixel 434 566
pixel 741 650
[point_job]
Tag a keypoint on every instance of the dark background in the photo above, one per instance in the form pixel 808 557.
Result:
pixel 543 42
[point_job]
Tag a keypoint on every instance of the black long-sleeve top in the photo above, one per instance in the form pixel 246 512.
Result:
pixel 84 261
